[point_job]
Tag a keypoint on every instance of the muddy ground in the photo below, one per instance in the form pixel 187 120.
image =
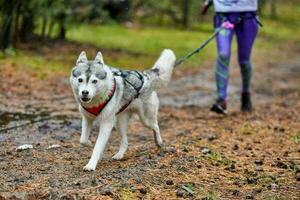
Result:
pixel 205 156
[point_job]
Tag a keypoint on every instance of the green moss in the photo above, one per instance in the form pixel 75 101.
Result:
pixel 217 159
pixel 127 194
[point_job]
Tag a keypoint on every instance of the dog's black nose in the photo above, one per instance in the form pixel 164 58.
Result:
pixel 85 92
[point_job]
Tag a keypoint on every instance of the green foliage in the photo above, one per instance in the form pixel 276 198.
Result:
pixel 217 158
pixel 211 195
pixel 19 19
pixel 10 51
pixel 296 138
pixel 166 11
pixel 189 188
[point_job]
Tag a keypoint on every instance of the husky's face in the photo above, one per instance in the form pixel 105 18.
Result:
pixel 88 78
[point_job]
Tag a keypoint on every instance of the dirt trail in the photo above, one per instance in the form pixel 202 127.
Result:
pixel 254 156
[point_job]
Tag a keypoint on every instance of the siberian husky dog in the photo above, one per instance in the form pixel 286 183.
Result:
pixel 111 96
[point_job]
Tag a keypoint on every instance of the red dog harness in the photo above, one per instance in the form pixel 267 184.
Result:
pixel 97 110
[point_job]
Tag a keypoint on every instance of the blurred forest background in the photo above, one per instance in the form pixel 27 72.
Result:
pixel 21 21
pixel 129 27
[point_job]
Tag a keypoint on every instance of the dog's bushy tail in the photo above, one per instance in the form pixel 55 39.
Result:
pixel 162 70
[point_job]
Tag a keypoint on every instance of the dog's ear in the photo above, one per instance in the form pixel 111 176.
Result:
pixel 82 58
pixel 99 58
pixel 75 72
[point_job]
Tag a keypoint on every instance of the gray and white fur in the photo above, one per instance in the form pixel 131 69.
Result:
pixel 91 83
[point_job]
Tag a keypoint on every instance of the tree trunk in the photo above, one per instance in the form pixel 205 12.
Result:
pixel 273 8
pixel 50 29
pixel 185 13
pixel 93 13
pixel 27 26
pixel 44 25
pixel 62 32
pixel 5 39
pixel 17 20
pixel 261 5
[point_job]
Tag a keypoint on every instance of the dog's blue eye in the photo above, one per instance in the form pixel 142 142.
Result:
pixel 94 81
pixel 80 80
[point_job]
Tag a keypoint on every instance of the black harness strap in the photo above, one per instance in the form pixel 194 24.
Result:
pixel 242 18
pixel 124 75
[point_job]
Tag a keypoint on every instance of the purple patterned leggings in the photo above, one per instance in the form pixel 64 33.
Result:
pixel 245 32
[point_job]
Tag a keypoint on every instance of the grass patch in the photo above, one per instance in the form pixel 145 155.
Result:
pixel 294 167
pixel 266 179
pixel 147 41
pixel 217 159
pixel 189 188
pixel 211 195
pixel 21 59
pixel 296 138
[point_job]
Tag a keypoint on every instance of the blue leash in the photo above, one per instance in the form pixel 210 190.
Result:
pixel 183 59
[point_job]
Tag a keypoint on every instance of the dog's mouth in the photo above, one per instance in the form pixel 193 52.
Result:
pixel 85 99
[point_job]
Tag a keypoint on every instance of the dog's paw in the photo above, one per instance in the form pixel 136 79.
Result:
pixel 118 156
pixel 159 143
pixel 85 143
pixel 89 168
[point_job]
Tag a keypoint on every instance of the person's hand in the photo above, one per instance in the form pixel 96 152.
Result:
pixel 206 5
pixel 227 25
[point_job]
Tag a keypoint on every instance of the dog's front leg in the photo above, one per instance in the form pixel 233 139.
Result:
pixel 87 125
pixel 104 133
